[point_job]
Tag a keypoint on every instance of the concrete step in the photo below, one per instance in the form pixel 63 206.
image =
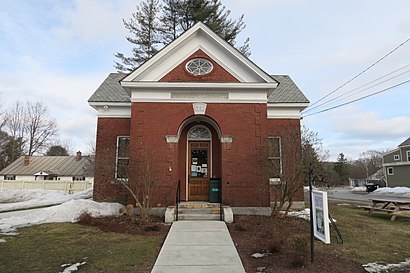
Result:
pixel 199 211
pixel 198 217
pixel 198 205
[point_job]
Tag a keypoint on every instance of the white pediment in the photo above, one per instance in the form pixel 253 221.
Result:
pixel 199 37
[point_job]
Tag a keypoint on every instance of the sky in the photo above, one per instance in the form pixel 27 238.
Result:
pixel 59 52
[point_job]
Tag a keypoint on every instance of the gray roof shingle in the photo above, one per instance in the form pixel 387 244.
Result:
pixel 405 143
pixel 57 165
pixel 287 91
pixel 112 91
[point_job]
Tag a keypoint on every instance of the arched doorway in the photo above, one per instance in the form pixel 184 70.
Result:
pixel 199 163
pixel 199 156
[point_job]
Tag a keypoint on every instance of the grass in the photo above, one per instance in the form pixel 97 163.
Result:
pixel 369 237
pixel 45 248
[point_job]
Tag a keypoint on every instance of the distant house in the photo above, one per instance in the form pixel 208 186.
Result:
pixel 396 166
pixel 41 168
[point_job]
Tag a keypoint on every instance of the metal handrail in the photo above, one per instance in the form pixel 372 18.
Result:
pixel 221 209
pixel 177 199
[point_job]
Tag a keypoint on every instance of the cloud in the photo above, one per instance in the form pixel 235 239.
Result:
pixel 94 21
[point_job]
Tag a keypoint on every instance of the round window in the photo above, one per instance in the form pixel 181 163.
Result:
pixel 199 66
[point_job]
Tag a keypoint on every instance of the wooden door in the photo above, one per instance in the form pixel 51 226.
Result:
pixel 198 170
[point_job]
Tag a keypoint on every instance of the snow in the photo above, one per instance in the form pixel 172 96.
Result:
pixel 358 189
pixel 381 267
pixel 396 191
pixel 304 214
pixel 72 267
pixel 15 199
pixel 69 209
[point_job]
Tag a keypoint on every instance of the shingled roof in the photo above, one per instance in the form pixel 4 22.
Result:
pixel 112 91
pixel 287 91
pixel 405 143
pixel 55 165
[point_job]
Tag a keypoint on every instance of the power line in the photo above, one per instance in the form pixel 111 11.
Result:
pixel 346 95
pixel 358 99
pixel 358 75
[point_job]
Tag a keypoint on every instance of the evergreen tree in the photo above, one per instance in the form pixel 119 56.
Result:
pixel 57 150
pixel 154 25
pixel 144 26
pixel 341 167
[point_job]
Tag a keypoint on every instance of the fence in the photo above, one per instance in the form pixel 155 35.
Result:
pixel 66 186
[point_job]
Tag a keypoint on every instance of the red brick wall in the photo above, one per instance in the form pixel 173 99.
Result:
pixel 289 131
pixel 239 164
pixel 107 131
pixel 218 74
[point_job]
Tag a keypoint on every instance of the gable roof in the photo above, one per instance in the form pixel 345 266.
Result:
pixel 200 37
pixel 405 143
pixel 112 91
pixel 55 165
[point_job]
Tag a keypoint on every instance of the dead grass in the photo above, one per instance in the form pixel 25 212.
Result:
pixel 369 237
pixel 45 248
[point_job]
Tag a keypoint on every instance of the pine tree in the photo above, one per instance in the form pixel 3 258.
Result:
pixel 154 25
pixel 144 27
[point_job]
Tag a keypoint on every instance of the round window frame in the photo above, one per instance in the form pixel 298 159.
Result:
pixel 199 74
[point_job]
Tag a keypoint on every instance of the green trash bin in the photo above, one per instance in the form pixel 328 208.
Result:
pixel 214 190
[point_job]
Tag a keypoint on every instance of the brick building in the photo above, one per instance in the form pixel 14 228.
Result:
pixel 204 111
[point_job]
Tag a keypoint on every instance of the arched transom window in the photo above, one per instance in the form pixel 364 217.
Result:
pixel 199 132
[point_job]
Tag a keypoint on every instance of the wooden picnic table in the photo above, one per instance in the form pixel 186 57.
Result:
pixel 390 205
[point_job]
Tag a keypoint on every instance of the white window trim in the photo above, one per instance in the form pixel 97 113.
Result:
pixel 408 155
pixel 388 171
pixel 117 157
pixel 396 157
pixel 276 180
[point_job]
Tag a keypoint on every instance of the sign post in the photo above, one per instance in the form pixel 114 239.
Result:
pixel 319 216
pixel 321 227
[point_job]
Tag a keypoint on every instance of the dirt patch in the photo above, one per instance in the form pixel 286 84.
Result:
pixel 285 245
pixel 124 224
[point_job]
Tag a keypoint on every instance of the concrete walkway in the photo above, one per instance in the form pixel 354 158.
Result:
pixel 198 247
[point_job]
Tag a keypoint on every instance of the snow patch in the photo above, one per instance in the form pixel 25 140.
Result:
pixel 359 189
pixel 396 191
pixel 15 199
pixel 66 212
pixel 2 241
pixel 72 267
pixel 381 267
pixel 304 214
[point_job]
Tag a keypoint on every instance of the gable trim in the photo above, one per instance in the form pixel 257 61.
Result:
pixel 192 33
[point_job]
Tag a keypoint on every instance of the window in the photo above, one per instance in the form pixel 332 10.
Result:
pixel 199 133
pixel 199 66
pixel 396 157
pixel 408 155
pixel 123 157
pixel 78 178
pixel 9 177
pixel 390 171
pixel 274 157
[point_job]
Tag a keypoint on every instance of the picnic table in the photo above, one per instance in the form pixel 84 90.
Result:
pixel 395 206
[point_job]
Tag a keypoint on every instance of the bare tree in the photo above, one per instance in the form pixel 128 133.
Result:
pixel 288 173
pixel 15 127
pixel 39 126
pixel 140 180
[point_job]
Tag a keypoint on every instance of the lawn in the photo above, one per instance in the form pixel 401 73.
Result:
pixel 369 237
pixel 45 248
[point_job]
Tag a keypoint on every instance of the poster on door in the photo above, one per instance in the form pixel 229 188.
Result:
pixel 321 227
